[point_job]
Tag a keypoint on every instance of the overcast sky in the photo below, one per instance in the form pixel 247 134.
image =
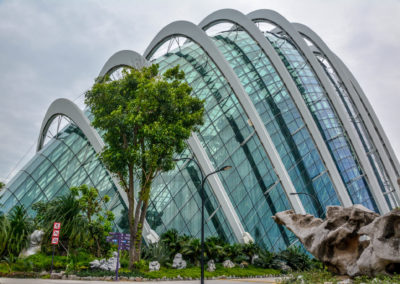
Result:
pixel 54 49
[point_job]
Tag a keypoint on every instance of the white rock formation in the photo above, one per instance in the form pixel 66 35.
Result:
pixel 106 264
pixel 178 262
pixel 211 266
pixel 35 241
pixel 154 266
pixel 228 264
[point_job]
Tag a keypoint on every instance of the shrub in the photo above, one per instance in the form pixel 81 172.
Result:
pixel 296 258
pixel 157 252
pixel 215 249
pixel 265 259
pixel 14 235
pixel 170 240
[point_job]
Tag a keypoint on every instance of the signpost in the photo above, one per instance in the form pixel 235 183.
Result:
pixel 54 240
pixel 124 243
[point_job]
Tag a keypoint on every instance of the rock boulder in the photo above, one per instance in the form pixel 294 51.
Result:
pixel 350 241
pixel 106 264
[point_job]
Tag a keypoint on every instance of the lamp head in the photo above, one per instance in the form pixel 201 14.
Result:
pixel 226 168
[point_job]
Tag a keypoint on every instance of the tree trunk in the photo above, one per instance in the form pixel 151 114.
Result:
pixel 141 222
pixel 131 208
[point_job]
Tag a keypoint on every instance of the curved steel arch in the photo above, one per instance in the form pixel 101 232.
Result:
pixel 372 125
pixel 197 35
pixel 123 58
pixel 238 18
pixel 72 111
pixel 278 20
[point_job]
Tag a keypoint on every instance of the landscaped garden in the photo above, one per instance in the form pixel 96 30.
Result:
pixel 77 248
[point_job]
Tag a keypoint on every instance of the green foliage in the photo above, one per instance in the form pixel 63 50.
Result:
pixel 14 233
pixel 214 249
pixel 98 219
pixel 158 251
pixel 84 222
pixel 296 258
pixel 42 262
pixel 194 272
pixel 66 210
pixel 265 259
pixel 235 253
pixel 170 240
pixel 146 118
pixel 322 276
pixel 191 250
pixel 4 233
pixel 144 107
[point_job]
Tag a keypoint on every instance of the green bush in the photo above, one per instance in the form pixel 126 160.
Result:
pixel 14 232
pixel 265 259
pixel 158 251
pixel 296 258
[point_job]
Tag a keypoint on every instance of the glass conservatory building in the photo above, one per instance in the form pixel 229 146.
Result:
pixel 281 108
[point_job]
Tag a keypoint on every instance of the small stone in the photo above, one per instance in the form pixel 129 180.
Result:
pixel 253 259
pixel 178 262
pixel 243 264
pixel 346 281
pixel 282 266
pixel 211 265
pixel 154 266
pixel 228 264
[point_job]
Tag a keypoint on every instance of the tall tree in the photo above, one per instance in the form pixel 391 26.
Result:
pixel 146 118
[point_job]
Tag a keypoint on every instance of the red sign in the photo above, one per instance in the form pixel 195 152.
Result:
pixel 54 240
pixel 56 233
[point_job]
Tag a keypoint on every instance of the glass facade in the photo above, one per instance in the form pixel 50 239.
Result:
pixel 362 131
pixel 228 139
pixel 67 160
pixel 253 186
pixel 326 118
pixel 281 119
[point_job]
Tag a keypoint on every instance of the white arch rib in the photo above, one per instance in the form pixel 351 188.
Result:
pixel 194 33
pixel 373 128
pixel 284 25
pixel 237 18
pixel 67 108
pixel 122 58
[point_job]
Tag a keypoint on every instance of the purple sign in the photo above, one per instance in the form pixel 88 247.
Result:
pixel 124 243
pixel 123 240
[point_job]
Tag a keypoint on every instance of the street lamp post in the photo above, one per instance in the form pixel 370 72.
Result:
pixel 312 196
pixel 203 180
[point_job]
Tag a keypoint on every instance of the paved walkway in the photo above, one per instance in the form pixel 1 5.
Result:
pixel 220 281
